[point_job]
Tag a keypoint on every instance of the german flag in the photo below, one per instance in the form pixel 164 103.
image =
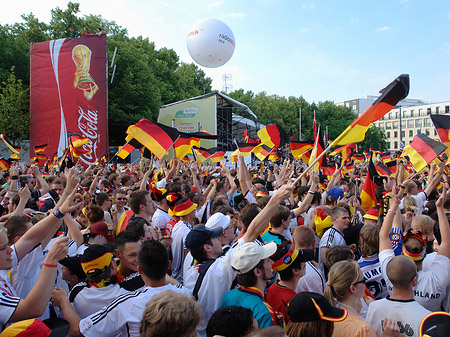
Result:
pixel 273 136
pixel 383 170
pixel 217 154
pixel 299 147
pixel 261 151
pixel 392 166
pixel 358 158
pixel 346 152
pixel 156 137
pixel 4 165
pixel 124 151
pixel 305 156
pixel 183 145
pixel 246 148
pixel 40 148
pixel 233 156
pixel 201 135
pixel 274 157
pixel 328 170
pixel 78 152
pixel 250 140
pixel 201 153
pixel 368 198
pixel 442 126
pixel 390 96
pixel 422 151
pixel 76 140
pixel 385 157
pixel 8 143
pixel 41 156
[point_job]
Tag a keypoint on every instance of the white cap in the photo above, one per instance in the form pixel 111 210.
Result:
pixel 218 220
pixel 247 256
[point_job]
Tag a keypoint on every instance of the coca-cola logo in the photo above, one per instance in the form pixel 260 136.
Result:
pixel 87 124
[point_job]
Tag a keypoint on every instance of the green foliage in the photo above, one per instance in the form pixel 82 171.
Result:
pixel 14 108
pixel 375 139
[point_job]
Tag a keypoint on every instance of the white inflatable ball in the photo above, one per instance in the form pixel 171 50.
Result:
pixel 210 43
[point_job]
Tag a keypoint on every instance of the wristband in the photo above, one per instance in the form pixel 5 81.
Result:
pixel 311 192
pixel 392 211
pixel 58 214
pixel 49 265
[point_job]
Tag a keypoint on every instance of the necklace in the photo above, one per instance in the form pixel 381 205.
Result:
pixel 349 307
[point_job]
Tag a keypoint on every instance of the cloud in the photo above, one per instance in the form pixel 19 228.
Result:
pixel 311 5
pixel 304 30
pixel 353 20
pixel 239 15
pixel 215 4
pixel 382 29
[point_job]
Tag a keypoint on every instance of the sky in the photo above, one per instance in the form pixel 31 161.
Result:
pixel 321 50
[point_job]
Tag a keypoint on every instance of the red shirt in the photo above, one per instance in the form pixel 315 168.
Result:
pixel 278 297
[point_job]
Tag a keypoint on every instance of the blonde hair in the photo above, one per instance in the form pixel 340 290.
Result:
pixel 410 204
pixel 424 223
pixel 341 276
pixel 303 237
pixel 170 314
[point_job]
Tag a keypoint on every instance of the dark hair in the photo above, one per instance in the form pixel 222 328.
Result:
pixel 249 279
pixel 232 321
pixel 136 199
pixel 136 226
pixel 153 259
pixel 95 214
pixel 125 237
pixel 248 213
pixel 287 274
pixel 225 209
pixel 216 204
pixel 338 253
pixel 16 226
pixel 119 190
pixel 100 198
pixel 282 213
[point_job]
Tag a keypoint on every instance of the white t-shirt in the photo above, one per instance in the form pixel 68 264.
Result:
pixel 216 283
pixel 331 238
pixel 432 280
pixel 313 280
pixel 371 269
pixel 8 296
pixel 160 218
pixel 407 314
pixel 122 317
pixel 91 299
pixel 179 233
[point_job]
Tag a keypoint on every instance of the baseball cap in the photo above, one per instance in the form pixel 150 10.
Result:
pixel 199 235
pixel 247 256
pixel 435 324
pixel 336 193
pixel 95 257
pixel 184 207
pixel 218 220
pixel 286 254
pixel 73 263
pixel 102 228
pixel 308 307
pixel 52 327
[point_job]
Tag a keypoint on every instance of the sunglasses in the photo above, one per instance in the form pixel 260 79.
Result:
pixel 121 198
pixel 358 282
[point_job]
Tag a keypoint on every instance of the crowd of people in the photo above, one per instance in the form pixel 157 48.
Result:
pixel 174 249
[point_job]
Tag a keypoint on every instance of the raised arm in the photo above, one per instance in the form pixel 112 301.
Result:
pixel 309 196
pixel 260 222
pixel 44 187
pixel 444 248
pixel 436 178
pixel 385 242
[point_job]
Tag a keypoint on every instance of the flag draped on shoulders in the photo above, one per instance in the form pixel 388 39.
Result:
pixel 368 198
pixel 156 137
pixel 390 96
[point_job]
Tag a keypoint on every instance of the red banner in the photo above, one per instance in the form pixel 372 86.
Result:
pixel 69 93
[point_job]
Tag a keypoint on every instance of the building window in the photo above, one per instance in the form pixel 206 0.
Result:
pixel 381 125
pixel 395 145
pixel 414 113
pixel 388 134
pixel 410 133
pixel 427 132
pixel 410 123
pixel 395 124
pixel 395 134
pixel 447 109
pixel 418 123
pixel 426 122
pixel 388 125
pixel 403 134
pixel 418 131
pixel 403 124
pixel 421 112
pixel 437 110
pixel 428 111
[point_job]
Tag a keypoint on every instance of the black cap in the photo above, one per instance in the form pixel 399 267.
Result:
pixel 73 263
pixel 199 235
pixel 308 307
pixel 435 324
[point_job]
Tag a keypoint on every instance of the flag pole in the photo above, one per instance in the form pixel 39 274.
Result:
pixel 119 150
pixel 312 165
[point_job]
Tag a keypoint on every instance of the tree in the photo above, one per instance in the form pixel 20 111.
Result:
pixel 375 139
pixel 14 108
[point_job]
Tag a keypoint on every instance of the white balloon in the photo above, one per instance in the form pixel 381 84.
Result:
pixel 210 43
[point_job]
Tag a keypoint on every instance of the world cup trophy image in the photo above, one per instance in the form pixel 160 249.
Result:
pixel 81 56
